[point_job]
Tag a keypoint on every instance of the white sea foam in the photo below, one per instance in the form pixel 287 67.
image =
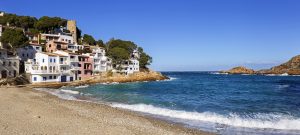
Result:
pixel 260 121
pixel 70 91
pixel 284 74
pixel 58 93
pixel 82 86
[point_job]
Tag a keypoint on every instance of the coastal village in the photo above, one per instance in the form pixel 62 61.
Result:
pixel 58 57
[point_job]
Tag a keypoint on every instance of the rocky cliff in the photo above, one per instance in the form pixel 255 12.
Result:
pixel 239 70
pixel 292 67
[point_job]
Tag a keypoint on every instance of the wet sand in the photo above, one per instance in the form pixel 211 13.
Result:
pixel 27 111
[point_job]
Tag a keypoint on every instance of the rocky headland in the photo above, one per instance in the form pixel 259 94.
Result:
pixel 239 70
pixel 291 67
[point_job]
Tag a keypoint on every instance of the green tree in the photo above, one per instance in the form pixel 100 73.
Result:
pixel 46 24
pixel 14 38
pixel 100 43
pixel 88 39
pixel 145 60
pixel 118 56
pixel 78 34
pixel 27 21
pixel 18 21
pixel 127 45
pixel 34 31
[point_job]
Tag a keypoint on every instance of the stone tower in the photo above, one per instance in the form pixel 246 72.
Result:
pixel 71 26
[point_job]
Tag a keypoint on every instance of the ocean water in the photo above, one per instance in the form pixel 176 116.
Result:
pixel 224 104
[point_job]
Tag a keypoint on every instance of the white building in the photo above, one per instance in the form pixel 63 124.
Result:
pixel 9 64
pixel 49 67
pixel 58 37
pixel 28 52
pixel 75 47
pixel 132 65
pixel 1 28
pixel 101 62
pixel 73 64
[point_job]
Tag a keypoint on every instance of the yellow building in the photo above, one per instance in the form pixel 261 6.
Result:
pixel 71 26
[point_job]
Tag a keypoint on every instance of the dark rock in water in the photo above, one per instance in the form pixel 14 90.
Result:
pixel 239 70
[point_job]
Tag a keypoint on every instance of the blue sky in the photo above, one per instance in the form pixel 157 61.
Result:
pixel 181 35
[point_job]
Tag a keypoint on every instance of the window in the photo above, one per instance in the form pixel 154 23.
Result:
pixel 50 60
pixel 50 77
pixel 44 78
pixel 79 72
pixel 34 79
pixel 9 63
pixel 15 64
pixel 49 45
pixel 54 77
pixel 54 60
pixel 3 63
pixel 23 55
pixel 43 60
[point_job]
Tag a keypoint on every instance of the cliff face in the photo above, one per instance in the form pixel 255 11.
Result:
pixel 239 70
pixel 292 67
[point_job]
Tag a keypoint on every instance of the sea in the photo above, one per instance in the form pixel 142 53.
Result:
pixel 208 101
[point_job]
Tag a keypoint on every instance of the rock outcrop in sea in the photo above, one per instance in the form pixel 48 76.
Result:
pixel 292 67
pixel 239 70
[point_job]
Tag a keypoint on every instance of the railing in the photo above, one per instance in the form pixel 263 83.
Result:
pixel 63 63
pixel 33 63
pixel 44 71
pixel 74 60
pixel 75 68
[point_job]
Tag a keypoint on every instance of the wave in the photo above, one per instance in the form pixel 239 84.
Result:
pixel 259 121
pixel 58 93
pixel 218 73
pixel 70 91
pixel 82 86
pixel 284 74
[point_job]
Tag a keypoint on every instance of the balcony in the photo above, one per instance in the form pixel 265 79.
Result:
pixel 63 63
pixel 44 72
pixel 64 71
pixel 74 68
pixel 74 60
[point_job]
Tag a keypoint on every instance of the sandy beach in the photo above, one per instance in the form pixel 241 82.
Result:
pixel 26 111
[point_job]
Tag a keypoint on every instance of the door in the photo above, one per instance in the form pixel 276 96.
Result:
pixel 63 78
pixel 3 73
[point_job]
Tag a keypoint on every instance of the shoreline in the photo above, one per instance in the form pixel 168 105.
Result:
pixel 136 77
pixel 30 111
